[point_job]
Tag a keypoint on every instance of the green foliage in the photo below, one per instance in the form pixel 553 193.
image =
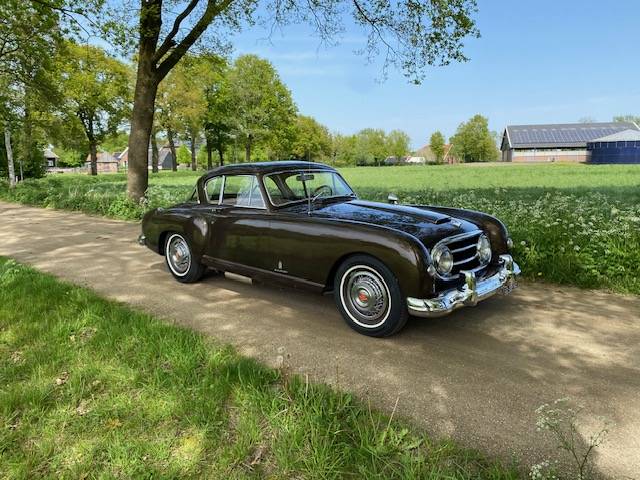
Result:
pixel 368 147
pixel 28 90
pixel 260 104
pixel 115 142
pixel 201 156
pixel 106 391
pixel 184 155
pixel 312 140
pixel 436 143
pixel 474 142
pixel 371 148
pixel 218 122
pixel 397 143
pixel 70 158
pixel 28 157
pixel 344 150
pixel 96 92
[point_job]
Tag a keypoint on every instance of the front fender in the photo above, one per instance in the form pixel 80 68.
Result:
pixel 496 230
pixel 331 241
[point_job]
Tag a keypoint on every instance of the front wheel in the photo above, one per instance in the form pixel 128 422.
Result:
pixel 179 257
pixel 368 296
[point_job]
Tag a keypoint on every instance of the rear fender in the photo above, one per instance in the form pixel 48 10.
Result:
pixel 158 224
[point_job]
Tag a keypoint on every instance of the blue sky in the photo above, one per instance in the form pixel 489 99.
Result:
pixel 536 62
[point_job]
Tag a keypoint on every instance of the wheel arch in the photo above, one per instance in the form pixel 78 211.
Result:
pixel 331 276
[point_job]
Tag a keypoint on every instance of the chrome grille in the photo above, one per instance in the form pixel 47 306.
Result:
pixel 463 247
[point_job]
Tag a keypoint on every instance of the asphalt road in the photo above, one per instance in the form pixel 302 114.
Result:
pixel 476 376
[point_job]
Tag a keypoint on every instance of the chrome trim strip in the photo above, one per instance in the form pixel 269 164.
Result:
pixel 466 260
pixel 473 291
pixel 462 249
pixel 457 238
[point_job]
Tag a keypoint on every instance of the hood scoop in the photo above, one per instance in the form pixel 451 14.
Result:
pixel 415 212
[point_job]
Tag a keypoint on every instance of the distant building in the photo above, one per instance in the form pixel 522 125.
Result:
pixel 51 159
pixel 122 158
pixel 165 158
pixel 621 147
pixel 430 157
pixel 555 143
pixel 107 163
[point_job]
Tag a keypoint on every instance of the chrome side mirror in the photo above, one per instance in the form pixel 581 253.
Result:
pixel 392 199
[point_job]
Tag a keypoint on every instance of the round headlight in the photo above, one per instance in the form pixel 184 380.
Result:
pixel 443 260
pixel 484 249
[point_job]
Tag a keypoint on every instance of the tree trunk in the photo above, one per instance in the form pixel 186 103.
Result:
pixel 142 116
pixel 94 157
pixel 247 149
pixel 209 159
pixel 172 147
pixel 155 156
pixel 194 163
pixel 221 155
pixel 10 165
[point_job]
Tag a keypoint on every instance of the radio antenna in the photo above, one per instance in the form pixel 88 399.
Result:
pixel 307 190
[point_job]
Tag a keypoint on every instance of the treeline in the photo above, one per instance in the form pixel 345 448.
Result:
pixel 79 99
pixel 242 111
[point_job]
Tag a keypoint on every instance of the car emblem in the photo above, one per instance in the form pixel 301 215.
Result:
pixel 456 223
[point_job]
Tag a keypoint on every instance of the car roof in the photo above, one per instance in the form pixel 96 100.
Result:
pixel 265 167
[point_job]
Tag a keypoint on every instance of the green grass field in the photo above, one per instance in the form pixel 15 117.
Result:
pixel 91 389
pixel 572 224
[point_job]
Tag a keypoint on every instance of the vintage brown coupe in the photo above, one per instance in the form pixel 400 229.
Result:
pixel 301 224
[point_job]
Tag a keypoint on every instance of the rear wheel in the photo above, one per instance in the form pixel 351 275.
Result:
pixel 368 296
pixel 180 260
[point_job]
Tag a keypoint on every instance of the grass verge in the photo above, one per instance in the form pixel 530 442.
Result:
pixel 93 389
pixel 572 224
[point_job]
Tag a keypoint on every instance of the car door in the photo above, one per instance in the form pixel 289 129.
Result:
pixel 239 222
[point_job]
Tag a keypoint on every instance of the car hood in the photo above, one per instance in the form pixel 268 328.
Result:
pixel 427 225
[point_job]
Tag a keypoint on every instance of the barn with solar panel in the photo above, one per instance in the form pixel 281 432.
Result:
pixel 557 142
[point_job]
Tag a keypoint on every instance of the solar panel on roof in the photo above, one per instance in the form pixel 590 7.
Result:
pixel 563 135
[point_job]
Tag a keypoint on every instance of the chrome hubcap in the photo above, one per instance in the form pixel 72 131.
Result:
pixel 366 297
pixel 179 255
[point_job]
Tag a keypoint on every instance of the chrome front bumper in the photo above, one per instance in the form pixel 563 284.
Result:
pixel 470 294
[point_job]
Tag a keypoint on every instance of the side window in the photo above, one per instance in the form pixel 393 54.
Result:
pixel 243 191
pixel 212 188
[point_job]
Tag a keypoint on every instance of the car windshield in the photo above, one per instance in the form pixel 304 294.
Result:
pixel 287 187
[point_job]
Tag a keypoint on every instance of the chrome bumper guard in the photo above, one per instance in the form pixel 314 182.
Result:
pixel 473 291
pixel 142 240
